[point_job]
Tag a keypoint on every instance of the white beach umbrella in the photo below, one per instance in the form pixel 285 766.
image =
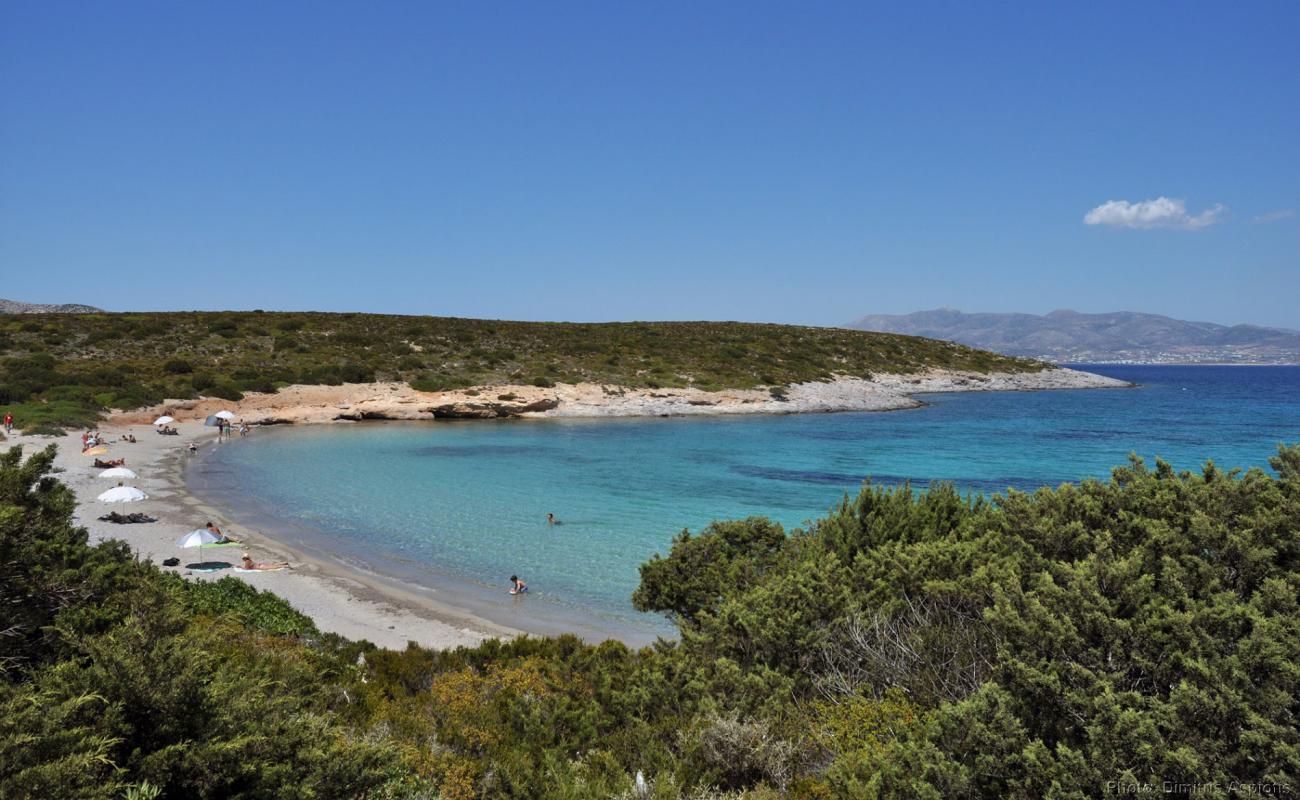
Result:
pixel 117 472
pixel 163 420
pixel 122 494
pixel 224 415
pixel 197 538
pixel 200 538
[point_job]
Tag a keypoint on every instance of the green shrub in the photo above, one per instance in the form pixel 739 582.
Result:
pixel 436 382
pixel 225 390
pixel 261 610
pixel 178 366
pixel 351 372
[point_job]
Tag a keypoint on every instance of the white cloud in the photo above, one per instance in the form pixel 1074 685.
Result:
pixel 1274 216
pixel 1162 212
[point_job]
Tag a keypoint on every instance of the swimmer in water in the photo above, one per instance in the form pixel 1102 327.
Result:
pixel 517 586
pixel 551 520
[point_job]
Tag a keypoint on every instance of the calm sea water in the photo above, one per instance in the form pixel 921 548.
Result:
pixel 462 505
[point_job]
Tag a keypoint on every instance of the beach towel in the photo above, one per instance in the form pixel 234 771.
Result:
pixel 273 569
pixel 208 566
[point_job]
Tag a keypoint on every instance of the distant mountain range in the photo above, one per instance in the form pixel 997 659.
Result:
pixel 18 307
pixel 1122 336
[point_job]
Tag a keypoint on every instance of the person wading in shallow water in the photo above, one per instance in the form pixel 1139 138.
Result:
pixel 517 586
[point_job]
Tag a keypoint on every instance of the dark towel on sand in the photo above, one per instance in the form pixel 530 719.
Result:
pixel 123 519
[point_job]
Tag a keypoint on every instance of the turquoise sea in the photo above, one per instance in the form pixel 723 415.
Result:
pixel 461 506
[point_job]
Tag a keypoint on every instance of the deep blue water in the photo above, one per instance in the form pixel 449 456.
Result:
pixel 462 505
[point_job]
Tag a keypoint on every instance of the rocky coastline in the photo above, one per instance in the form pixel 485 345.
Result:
pixel 398 401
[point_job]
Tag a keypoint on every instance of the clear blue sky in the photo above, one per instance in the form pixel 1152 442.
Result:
pixel 795 162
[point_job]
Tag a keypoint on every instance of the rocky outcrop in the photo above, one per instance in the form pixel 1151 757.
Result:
pixel 492 410
pixel 398 401
pixel 19 307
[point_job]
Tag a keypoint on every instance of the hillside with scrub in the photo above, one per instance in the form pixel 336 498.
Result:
pixel 67 369
pixel 1061 644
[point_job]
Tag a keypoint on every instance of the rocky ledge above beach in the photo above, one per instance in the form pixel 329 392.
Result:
pixel 398 401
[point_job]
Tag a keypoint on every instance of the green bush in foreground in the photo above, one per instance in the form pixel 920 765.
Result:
pixel 1064 643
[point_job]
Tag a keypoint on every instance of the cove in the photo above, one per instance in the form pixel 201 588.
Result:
pixel 461 506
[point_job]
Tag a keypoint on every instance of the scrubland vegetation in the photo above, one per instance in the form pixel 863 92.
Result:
pixel 65 369
pixel 1045 645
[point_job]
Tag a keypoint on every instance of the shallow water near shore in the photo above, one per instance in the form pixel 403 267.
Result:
pixel 460 506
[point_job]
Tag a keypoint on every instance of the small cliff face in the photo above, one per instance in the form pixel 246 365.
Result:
pixel 398 401
pixel 360 401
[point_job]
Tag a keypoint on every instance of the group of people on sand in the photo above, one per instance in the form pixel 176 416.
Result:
pixel 247 561
pixel 227 429
pixel 91 439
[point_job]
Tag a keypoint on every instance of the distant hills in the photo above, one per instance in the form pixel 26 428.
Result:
pixel 1122 336
pixel 18 307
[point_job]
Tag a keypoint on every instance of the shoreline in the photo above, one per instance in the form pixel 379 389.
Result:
pixel 356 402
pixel 344 598
pixel 343 601
pixel 411 582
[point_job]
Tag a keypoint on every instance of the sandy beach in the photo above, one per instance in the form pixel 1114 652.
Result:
pixel 348 604
pixel 360 606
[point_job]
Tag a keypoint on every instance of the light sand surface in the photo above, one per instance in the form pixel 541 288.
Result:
pixel 349 604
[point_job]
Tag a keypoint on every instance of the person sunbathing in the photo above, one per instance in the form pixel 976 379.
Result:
pixel 221 537
pixel 116 462
pixel 263 565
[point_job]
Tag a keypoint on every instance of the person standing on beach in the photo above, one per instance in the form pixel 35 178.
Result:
pixel 9 423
